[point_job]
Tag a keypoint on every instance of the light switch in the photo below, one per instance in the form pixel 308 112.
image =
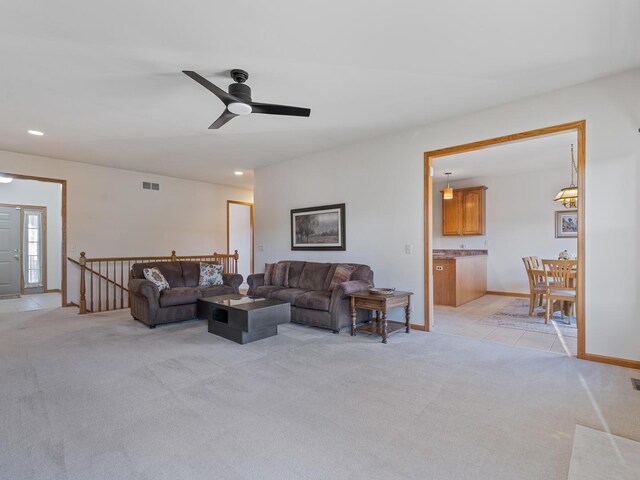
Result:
pixel 408 249
pixel 260 248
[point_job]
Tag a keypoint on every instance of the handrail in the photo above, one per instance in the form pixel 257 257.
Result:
pixel 111 285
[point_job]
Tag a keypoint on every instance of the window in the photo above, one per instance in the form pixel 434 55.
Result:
pixel 33 271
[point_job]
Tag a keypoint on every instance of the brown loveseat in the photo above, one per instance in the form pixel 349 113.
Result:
pixel 179 301
pixel 308 293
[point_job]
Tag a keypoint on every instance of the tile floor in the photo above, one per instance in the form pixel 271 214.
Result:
pixel 38 301
pixel 464 320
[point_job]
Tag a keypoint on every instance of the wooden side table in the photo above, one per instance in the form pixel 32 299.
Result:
pixel 380 304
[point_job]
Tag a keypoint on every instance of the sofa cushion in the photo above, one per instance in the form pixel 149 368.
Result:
pixel 288 294
pixel 314 275
pixel 179 296
pixel 155 276
pixel 215 290
pixel 341 274
pixel 265 290
pixel 276 274
pixel 361 273
pixel 172 271
pixel 317 300
pixel 295 270
pixel 190 273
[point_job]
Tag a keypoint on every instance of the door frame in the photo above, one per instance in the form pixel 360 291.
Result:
pixel 63 259
pixel 44 241
pixel 250 205
pixel 580 128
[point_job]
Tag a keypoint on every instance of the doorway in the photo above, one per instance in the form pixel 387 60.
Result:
pixel 240 236
pixel 431 163
pixel 32 242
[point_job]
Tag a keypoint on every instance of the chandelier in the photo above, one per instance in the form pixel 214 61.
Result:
pixel 569 195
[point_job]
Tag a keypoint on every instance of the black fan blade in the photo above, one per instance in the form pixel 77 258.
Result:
pixel 217 91
pixel 273 109
pixel 222 119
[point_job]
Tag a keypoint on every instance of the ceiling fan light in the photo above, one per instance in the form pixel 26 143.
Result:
pixel 238 108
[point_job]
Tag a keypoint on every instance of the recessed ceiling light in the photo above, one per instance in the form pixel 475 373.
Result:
pixel 35 132
pixel 4 179
pixel 239 172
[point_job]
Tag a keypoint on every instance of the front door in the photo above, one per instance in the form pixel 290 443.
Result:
pixel 9 251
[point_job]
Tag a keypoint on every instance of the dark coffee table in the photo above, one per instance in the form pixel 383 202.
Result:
pixel 243 319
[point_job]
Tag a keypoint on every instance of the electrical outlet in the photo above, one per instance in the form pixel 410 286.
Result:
pixel 439 267
pixel 408 249
pixel 463 246
pixel 261 248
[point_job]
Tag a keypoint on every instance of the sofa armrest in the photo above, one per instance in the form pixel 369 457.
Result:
pixel 144 288
pixel 234 280
pixel 255 280
pixel 344 289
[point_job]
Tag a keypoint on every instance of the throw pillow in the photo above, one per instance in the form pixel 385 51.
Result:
pixel 210 274
pixel 277 274
pixel 155 275
pixel 342 274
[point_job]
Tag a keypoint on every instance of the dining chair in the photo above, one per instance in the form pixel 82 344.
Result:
pixel 559 284
pixel 537 285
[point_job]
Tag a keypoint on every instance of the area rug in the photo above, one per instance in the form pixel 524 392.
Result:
pixel 516 315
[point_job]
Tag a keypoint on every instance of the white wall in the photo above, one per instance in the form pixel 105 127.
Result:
pixel 520 221
pixel 109 214
pixel 41 194
pixel 381 182
pixel 240 236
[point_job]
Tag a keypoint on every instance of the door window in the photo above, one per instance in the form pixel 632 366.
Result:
pixel 33 261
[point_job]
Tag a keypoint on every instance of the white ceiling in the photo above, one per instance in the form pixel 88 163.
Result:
pixel 532 155
pixel 103 81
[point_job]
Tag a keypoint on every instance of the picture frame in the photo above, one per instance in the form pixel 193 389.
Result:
pixel 567 224
pixel 319 228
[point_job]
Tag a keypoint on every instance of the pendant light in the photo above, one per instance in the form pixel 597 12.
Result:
pixel 569 195
pixel 447 193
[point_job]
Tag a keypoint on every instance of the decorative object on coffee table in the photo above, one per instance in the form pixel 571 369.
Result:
pixel 381 304
pixel 318 228
pixel 243 319
pixel 381 291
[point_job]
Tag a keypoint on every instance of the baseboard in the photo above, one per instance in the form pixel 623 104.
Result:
pixel 53 290
pixel 508 294
pixel 620 362
pixel 73 304
pixel 422 328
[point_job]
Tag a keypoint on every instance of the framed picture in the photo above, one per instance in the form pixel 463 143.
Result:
pixel 318 228
pixel 567 224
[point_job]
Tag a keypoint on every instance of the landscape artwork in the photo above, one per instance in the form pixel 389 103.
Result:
pixel 318 228
pixel 567 224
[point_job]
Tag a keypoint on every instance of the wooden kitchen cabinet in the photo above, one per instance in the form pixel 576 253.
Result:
pixel 459 279
pixel 464 214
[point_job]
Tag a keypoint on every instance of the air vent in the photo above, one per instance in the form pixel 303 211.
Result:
pixel 150 186
pixel 636 383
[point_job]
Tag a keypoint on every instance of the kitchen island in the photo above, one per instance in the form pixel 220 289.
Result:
pixel 459 276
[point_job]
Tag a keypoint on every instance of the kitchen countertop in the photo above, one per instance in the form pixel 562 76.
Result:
pixel 449 254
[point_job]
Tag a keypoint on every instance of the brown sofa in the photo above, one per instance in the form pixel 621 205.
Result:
pixel 177 303
pixel 308 293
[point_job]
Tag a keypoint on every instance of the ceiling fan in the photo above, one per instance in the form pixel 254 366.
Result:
pixel 238 100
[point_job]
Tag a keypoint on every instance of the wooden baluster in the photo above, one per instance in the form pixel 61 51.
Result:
pixel 91 283
pixel 99 286
pixel 173 256
pixel 83 287
pixel 115 284
pixel 122 284
pixel 106 287
pixel 235 261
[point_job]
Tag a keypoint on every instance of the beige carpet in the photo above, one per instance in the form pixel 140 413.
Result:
pixel 103 397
